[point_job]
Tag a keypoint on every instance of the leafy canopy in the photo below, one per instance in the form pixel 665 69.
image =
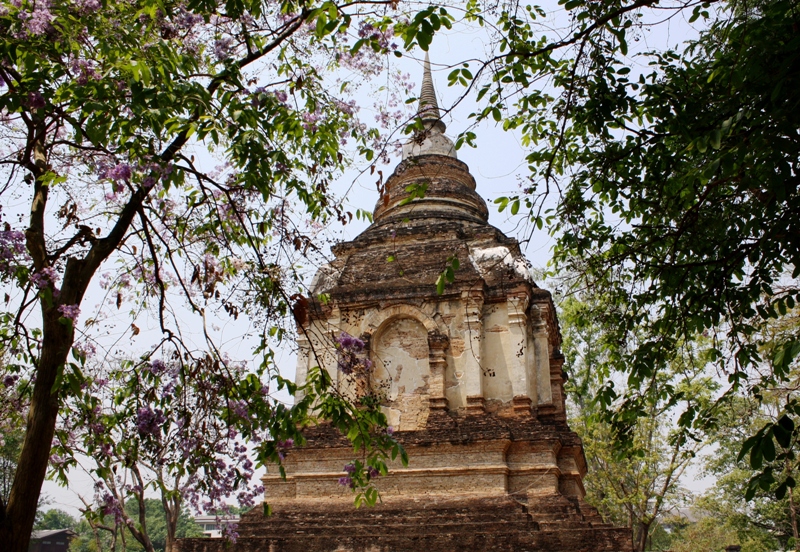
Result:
pixel 669 180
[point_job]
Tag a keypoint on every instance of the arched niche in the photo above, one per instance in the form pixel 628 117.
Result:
pixel 401 371
pixel 379 318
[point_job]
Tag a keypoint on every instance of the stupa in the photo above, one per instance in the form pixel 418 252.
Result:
pixel 471 381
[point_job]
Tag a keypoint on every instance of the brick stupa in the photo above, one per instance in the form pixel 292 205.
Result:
pixel 471 381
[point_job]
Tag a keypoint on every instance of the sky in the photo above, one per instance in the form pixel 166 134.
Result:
pixel 498 165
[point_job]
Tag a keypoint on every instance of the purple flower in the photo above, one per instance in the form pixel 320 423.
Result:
pixel 372 473
pixel 111 506
pixel 12 245
pixel 85 70
pixel 38 21
pixel 310 121
pixel 87 6
pixel 229 532
pixel 239 408
pixel 222 48
pixel 350 468
pixel 187 20
pixel 281 96
pixel 86 349
pixel 351 351
pixel 36 100
pixel 350 343
pixel 347 481
pixel 9 380
pixel 70 311
pixel 156 367
pixel 45 278
pixel 98 428
pixel 148 421
pixel 121 171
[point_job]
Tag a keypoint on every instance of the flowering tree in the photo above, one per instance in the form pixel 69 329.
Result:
pixel 149 428
pixel 110 113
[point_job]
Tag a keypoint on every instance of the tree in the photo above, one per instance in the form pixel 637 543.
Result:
pixel 159 533
pixel 104 105
pixel 709 534
pixel 639 486
pixel 56 519
pixel 762 523
pixel 157 432
pixel 104 534
pixel 675 191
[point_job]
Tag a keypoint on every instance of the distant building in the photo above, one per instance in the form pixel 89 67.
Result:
pixel 212 525
pixel 54 540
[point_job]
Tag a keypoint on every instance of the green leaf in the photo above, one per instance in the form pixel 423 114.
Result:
pixel 768 447
pixel 783 437
pixel 786 423
pixel 756 458
pixel 716 139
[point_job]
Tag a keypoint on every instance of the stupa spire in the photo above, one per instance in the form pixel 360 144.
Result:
pixel 430 141
pixel 428 105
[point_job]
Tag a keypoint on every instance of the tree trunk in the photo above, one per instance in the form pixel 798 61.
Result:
pixel 172 510
pixel 793 518
pixel 16 522
pixel 640 536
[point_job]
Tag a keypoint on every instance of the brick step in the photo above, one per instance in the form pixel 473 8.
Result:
pixel 310 528
pixel 379 513
pixel 562 540
pixel 557 517
pixel 352 515
pixel 563 525
pixel 556 506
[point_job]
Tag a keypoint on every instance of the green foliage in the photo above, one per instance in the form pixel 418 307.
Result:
pixel 10 447
pixel 157 526
pixel 364 424
pixel 421 28
pixel 761 524
pixel 448 275
pixel 635 485
pixel 415 191
pixel 56 519
pixel 708 534
pixel 677 188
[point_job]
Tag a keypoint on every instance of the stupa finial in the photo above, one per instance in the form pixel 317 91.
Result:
pixel 428 105
pixel 432 140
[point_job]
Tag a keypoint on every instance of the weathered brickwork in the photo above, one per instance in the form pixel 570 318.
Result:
pixel 471 380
